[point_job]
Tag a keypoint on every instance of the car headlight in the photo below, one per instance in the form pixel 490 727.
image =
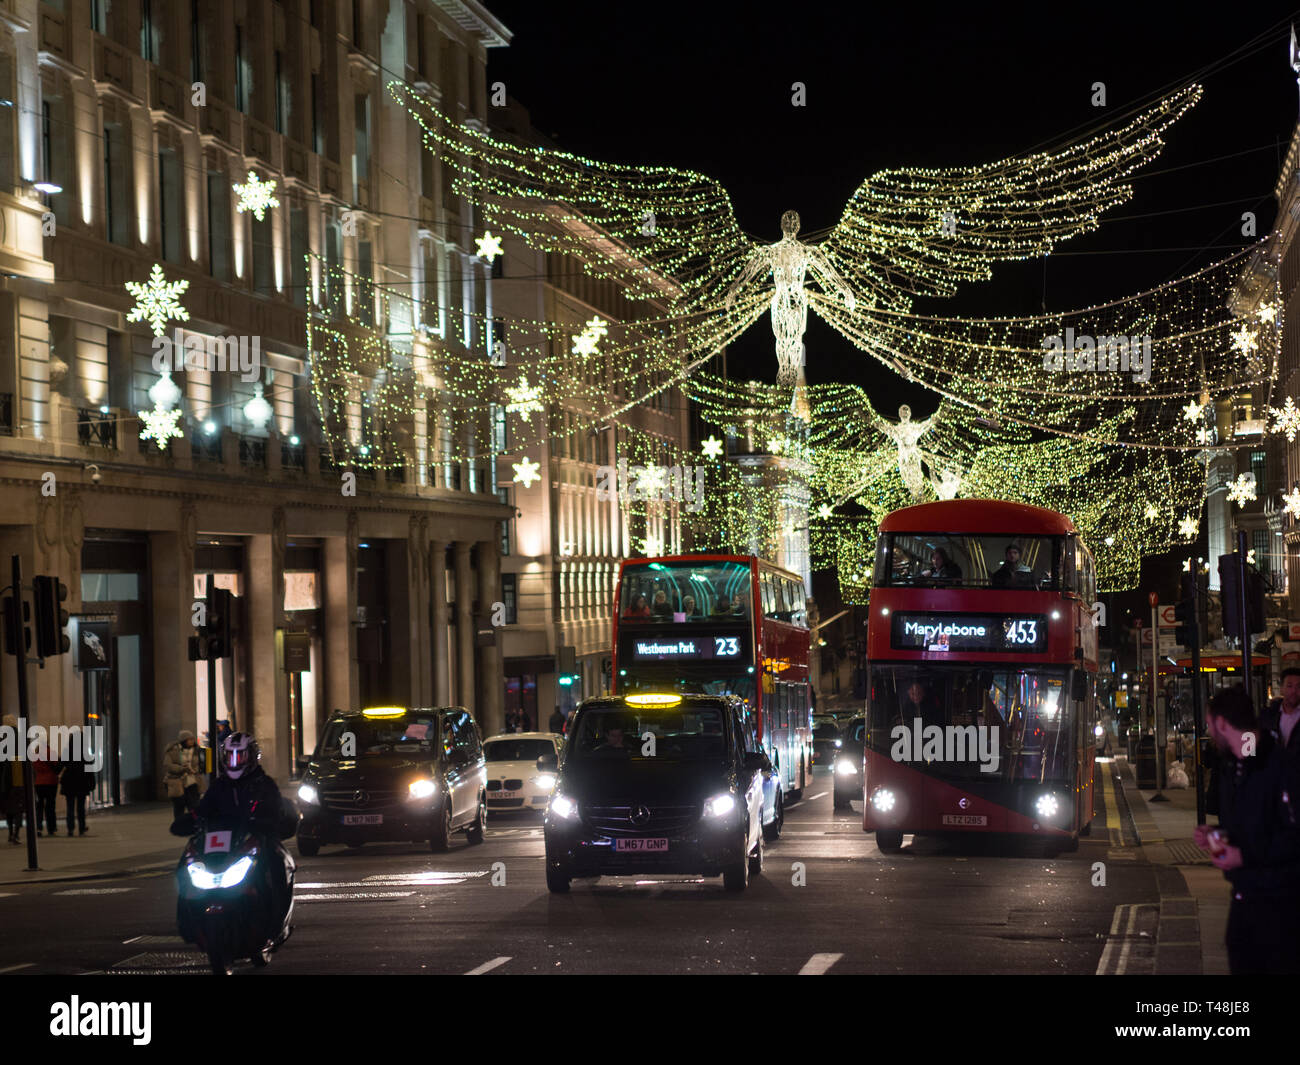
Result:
pixel 839 743
pixel 545 781
pixel 207 881
pixel 719 806
pixel 308 794
pixel 1047 806
pixel 883 799
pixel 422 788
pixel 1099 731
pixel 845 768
pixel 563 807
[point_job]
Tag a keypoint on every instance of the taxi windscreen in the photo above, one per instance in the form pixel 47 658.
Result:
pixel 679 734
pixel 380 735
pixel 517 750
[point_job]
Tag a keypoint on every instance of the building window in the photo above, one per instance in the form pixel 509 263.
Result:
pixel 1259 466
pixel 219 250
pixel 317 128
pixel 98 15
pixel 196 43
pixel 171 205
pixel 298 256
pixel 7 113
pixel 503 494
pixel 365 310
pixel 333 257
pixel 281 95
pixel 150 33
pixel 1259 541
pixel 500 440
pixel 117 184
pixel 361 146
pixel 241 72
pixel 56 147
pixel 263 257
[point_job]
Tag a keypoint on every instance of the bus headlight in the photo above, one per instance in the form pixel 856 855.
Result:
pixel 845 768
pixel 1099 731
pixel 883 800
pixel 1047 806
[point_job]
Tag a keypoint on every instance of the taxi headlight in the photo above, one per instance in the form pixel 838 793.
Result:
pixel 845 768
pixel 422 788
pixel 307 794
pixel 883 800
pixel 545 781
pixel 563 807
pixel 720 805
pixel 839 743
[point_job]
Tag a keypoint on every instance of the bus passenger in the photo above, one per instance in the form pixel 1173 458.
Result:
pixel 689 609
pixel 738 605
pixel 941 567
pixel 1012 573
pixel 639 609
pixel 661 608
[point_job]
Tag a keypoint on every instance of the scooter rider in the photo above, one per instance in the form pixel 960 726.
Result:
pixel 243 792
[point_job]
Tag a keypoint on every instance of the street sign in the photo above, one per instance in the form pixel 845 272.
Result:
pixel 297 652
pixel 1167 617
pixel 1293 630
pixel 94 643
pixel 1153 598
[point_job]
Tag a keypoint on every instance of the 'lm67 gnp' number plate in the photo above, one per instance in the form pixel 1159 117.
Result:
pixel 640 846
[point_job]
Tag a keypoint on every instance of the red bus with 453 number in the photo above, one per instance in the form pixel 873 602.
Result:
pixel 982 669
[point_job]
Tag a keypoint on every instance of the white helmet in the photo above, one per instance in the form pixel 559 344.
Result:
pixel 239 752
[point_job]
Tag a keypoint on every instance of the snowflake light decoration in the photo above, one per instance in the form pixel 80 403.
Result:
pixel 1192 412
pixel 712 448
pixel 824 511
pixel 1151 512
pixel 1250 557
pixel 488 246
pixel 160 425
pixel 778 444
pixel 650 481
pixel 1205 435
pixel 1291 503
pixel 1288 419
pixel 653 546
pixel 584 344
pixel 1268 312
pixel 255 196
pixel 1188 527
pixel 525 399
pixel 156 302
pixel 597 327
pixel 526 472
pixel 1245 340
pixel 1242 490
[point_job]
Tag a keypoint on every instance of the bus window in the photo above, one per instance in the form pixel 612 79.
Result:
pixel 766 582
pixel 1001 560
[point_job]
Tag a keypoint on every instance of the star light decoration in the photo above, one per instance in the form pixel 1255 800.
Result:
pixel 1291 503
pixel 488 246
pixel 712 448
pixel 255 195
pixel 526 472
pixel 1288 419
pixel 1188 526
pixel 525 399
pixel 156 302
pixel 1242 490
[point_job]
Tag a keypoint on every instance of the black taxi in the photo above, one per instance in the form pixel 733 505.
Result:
pixel 660 783
pixel 393 773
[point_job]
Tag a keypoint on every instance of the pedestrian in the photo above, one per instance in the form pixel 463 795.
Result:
pixel 1257 841
pixel 181 773
pixel 77 783
pixel 11 789
pixel 556 724
pixel 1282 714
pixel 46 775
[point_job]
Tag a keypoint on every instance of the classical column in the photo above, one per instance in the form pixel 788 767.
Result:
pixel 418 559
pixel 342 680
pixel 464 628
pixel 492 714
pixel 268 692
pixel 171 573
pixel 438 605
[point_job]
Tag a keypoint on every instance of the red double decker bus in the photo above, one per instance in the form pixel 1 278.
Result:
pixel 716 624
pixel 982 667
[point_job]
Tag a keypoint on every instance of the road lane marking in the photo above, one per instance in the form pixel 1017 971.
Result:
pixel 7 894
pixel 1119 944
pixel 818 964
pixel 333 897
pixel 96 891
pixel 488 966
pixel 15 968
pixel 819 795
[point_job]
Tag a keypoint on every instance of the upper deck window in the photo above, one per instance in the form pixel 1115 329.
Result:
pixel 986 560
pixel 685 591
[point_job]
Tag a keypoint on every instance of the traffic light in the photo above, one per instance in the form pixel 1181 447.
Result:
pixel 50 593
pixel 1185 614
pixel 217 630
pixel 567 666
pixel 1228 583
pixel 13 625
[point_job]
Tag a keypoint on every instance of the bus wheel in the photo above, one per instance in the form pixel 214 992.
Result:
pixel 889 841
pixel 1086 830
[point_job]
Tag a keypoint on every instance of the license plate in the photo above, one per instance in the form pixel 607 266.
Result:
pixel 505 794
pixel 965 819
pixel 640 846
pixel 363 819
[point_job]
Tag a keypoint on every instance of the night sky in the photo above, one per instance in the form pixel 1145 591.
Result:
pixel 708 86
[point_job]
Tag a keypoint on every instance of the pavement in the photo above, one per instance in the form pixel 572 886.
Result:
pixel 118 840
pixel 1194 895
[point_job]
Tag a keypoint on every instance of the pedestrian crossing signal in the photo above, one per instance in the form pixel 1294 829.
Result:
pixel 50 594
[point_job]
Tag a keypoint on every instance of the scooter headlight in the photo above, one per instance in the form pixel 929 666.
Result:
pixel 204 880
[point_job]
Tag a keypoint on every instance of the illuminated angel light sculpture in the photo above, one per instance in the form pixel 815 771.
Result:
pixel 906 435
pixel 789 261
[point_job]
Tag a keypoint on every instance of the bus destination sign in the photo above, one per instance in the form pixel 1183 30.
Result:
pixel 1019 633
pixel 684 648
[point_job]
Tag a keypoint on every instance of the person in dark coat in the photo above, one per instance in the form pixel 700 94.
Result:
pixel 46 774
pixel 1257 841
pixel 77 783
pixel 556 724
pixel 1282 715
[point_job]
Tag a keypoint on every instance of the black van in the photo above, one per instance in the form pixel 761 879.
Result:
pixel 392 773
pixel 660 784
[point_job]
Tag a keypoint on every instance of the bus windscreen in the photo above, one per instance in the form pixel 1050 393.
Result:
pixel 684 591
pixel 948 560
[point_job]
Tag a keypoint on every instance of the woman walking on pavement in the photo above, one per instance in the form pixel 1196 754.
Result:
pixel 77 784
pixel 181 770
